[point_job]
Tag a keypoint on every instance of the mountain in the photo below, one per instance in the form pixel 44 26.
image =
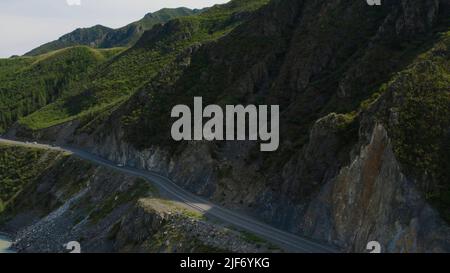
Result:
pixel 103 37
pixel 364 123
pixel 29 83
pixel 113 83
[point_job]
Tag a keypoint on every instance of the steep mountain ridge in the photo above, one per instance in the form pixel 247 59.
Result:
pixel 358 87
pixel 103 37
pixel 115 81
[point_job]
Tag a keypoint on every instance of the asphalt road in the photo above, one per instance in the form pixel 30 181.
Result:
pixel 285 240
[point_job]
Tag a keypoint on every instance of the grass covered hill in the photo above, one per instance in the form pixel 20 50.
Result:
pixel 29 83
pixel 19 167
pixel 103 37
pixel 114 82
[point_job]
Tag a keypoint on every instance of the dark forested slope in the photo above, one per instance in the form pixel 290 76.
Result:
pixel 364 99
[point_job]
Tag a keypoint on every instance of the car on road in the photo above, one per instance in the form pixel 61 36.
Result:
pixel 120 165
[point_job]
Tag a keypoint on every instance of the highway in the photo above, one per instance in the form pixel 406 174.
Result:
pixel 286 241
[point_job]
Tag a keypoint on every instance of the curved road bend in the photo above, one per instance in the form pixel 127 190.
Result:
pixel 285 240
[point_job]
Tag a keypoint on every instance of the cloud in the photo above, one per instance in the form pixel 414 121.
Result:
pixel 74 2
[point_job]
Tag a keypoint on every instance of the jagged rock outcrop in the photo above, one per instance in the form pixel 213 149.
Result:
pixel 106 211
pixel 372 200
pixel 336 177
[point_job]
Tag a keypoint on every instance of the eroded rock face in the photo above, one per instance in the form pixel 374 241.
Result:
pixel 368 199
pixel 344 184
pixel 373 200
pixel 106 211
pixel 418 16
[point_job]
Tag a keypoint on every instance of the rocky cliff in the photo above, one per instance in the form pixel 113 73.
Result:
pixel 105 211
pixel 352 81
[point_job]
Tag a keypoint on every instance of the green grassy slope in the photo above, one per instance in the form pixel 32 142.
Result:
pixel 103 37
pixel 29 83
pixel 117 80
pixel 82 36
pixel 18 167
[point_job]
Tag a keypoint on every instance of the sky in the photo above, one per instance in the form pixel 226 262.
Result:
pixel 27 24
